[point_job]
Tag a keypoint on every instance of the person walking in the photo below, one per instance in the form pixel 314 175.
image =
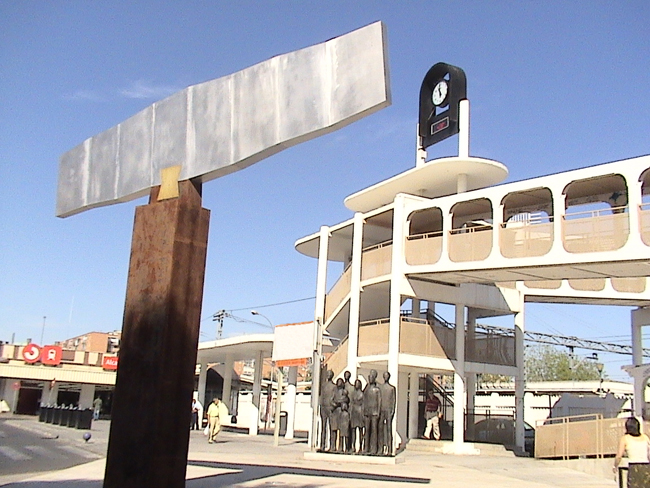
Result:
pixel 97 408
pixel 197 410
pixel 214 420
pixel 432 414
pixel 637 447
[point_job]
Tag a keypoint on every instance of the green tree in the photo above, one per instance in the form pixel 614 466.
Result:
pixel 547 363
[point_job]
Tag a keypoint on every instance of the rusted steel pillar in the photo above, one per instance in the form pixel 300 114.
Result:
pixel 151 411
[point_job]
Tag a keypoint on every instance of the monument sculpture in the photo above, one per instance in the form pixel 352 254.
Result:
pixel 360 422
pixel 386 414
pixel 357 421
pixel 167 151
pixel 326 407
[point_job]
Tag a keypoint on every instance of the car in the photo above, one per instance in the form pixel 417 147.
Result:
pixel 501 430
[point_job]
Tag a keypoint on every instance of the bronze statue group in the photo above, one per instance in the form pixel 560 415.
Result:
pixel 357 421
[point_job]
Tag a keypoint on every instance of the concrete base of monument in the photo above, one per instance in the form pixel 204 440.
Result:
pixel 354 458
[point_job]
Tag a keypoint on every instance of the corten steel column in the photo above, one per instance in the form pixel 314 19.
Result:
pixel 151 414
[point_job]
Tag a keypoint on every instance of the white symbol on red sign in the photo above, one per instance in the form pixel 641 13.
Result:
pixel 109 362
pixel 51 355
pixel 31 353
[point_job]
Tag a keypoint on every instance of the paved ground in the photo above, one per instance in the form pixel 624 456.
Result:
pixel 238 460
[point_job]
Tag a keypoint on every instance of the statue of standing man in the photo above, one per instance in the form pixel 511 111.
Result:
pixel 386 414
pixel 327 391
pixel 371 411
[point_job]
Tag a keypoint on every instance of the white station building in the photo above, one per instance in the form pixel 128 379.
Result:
pixel 446 232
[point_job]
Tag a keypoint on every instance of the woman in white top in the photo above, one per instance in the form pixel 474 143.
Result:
pixel 637 447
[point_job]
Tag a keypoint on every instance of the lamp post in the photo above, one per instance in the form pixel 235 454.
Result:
pixel 42 330
pixel 278 401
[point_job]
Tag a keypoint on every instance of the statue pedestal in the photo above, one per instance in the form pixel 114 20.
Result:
pixel 354 458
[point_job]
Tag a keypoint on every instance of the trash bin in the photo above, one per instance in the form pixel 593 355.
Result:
pixel 65 416
pixel 283 423
pixel 73 419
pixel 42 413
pixel 49 413
pixel 56 416
pixel 85 419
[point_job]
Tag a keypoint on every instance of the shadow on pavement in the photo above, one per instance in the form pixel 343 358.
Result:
pixel 250 472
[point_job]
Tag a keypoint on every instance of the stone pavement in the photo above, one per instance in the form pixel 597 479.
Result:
pixel 239 460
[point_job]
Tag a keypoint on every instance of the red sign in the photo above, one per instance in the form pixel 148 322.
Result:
pixel 51 355
pixel 31 353
pixel 109 362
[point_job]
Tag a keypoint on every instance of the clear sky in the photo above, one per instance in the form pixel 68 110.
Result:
pixel 553 85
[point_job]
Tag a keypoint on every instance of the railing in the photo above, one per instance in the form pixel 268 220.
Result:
pixel 491 348
pixel 595 230
pixel 419 337
pixel 376 260
pixel 423 248
pixel 423 337
pixel 470 243
pixel 584 435
pixel 338 360
pixel 644 222
pixel 373 338
pixel 338 292
pixel 526 238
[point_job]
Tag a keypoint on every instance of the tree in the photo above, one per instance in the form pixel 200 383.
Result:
pixel 547 363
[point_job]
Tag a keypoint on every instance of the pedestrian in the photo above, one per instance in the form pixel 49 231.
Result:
pixel 97 408
pixel 214 419
pixel 432 414
pixel 197 409
pixel 637 447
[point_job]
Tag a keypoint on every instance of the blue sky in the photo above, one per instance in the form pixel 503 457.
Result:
pixel 553 86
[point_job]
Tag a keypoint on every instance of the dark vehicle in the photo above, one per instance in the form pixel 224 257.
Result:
pixel 501 430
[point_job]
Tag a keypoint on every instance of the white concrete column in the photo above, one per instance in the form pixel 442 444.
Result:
pixel 470 378
pixel 414 392
pixel 54 393
pixel 203 376
pixel 290 401
pixel 463 129
pixel 257 390
pixel 431 308
pixel 415 308
pixel 639 318
pixel 395 301
pixel 355 293
pixel 520 380
pixel 45 395
pixel 402 405
pixel 459 380
pixel 227 381
pixel 319 320
pixel 86 396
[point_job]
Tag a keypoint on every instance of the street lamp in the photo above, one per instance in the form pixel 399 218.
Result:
pixel 278 401
pixel 255 312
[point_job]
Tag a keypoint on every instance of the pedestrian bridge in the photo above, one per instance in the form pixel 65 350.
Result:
pixel 584 231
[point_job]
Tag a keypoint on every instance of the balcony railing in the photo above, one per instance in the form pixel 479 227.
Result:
pixel 595 231
pixel 376 260
pixel 525 239
pixel 422 338
pixel 373 338
pixel 419 337
pixel 644 222
pixel 423 248
pixel 470 243
pixel 338 292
